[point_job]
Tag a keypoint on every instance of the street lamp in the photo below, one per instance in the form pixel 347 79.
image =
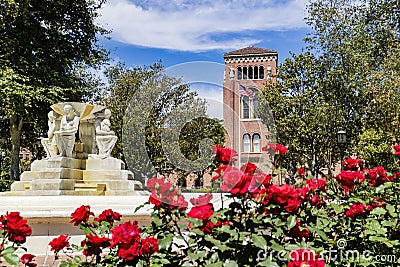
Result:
pixel 2 155
pixel 341 141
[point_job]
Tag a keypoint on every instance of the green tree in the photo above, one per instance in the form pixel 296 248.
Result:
pixel 345 78
pixel 159 122
pixel 45 50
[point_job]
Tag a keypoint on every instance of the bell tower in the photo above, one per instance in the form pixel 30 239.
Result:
pixel 247 71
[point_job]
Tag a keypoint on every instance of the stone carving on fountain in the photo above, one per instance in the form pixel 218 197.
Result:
pixel 79 143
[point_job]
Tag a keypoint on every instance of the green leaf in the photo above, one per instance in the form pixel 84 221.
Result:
pixel 378 211
pixel 12 259
pixel 291 222
pixel 165 242
pixel 9 250
pixel 268 263
pixel 259 241
pixel 321 234
pixel 391 210
pixel 230 263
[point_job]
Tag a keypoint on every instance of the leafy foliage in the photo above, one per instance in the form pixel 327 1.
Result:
pixel 160 121
pixel 346 78
pixel 45 51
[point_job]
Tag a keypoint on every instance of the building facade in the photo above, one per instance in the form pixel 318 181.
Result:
pixel 247 71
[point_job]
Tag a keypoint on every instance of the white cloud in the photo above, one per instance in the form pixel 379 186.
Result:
pixel 198 25
pixel 213 95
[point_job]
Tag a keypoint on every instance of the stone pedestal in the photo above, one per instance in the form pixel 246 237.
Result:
pixel 68 176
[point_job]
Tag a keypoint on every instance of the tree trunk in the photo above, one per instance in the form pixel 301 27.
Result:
pixel 15 132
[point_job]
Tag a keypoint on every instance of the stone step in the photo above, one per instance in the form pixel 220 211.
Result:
pixel 48 193
pixel 52 173
pixel 91 175
pixel 62 162
pixel 104 164
pixel 20 186
pixel 110 185
pixel 53 184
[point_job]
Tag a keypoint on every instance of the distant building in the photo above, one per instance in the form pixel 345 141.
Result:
pixel 247 71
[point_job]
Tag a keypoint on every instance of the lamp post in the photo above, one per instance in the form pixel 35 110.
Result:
pixel 341 141
pixel 2 155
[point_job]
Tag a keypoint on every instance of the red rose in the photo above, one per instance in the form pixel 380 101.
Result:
pixel 377 176
pixel 316 183
pixel 301 171
pixel 203 212
pixel 396 150
pixel 129 252
pixel 163 194
pixel 93 245
pixel 286 196
pixel 149 245
pixel 81 215
pixel 355 210
pixel 295 232
pixel 257 180
pixel 377 202
pixel 302 258
pixel 108 216
pixel 235 182
pixel 125 233
pixel 347 179
pixel 59 243
pixel 273 148
pixel 221 170
pixel 249 168
pixel 224 155
pixel 27 260
pixel 281 149
pixel 352 164
pixel 201 200
pixel 15 226
pixel 316 201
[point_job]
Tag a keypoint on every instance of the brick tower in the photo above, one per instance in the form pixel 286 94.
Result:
pixel 247 71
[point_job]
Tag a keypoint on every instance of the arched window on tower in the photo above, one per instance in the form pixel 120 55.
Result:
pixel 251 72
pixel 246 143
pixel 261 72
pixel 239 73
pixel 244 73
pixel 256 143
pixel 255 72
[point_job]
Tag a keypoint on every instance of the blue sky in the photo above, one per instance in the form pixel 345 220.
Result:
pixel 182 31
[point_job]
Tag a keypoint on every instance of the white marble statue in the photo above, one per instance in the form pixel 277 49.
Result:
pixel 65 137
pixel 105 138
pixel 49 143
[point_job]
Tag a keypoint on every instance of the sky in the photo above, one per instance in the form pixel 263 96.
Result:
pixel 184 34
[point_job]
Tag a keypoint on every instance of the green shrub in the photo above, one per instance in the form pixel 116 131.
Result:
pixel 5 185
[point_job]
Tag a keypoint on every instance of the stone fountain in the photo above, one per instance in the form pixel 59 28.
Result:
pixel 79 143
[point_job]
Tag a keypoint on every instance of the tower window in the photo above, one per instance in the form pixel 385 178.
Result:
pixel 255 72
pixel 246 107
pixel 246 143
pixel 248 103
pixel 250 72
pixel 239 72
pixel 256 143
pixel 261 72
pixel 245 73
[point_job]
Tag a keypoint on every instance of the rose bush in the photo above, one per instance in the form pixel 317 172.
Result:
pixel 346 220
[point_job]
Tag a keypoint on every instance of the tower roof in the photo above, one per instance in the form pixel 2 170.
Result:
pixel 250 50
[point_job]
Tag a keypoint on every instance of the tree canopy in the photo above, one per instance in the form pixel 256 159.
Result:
pixel 46 48
pixel 345 78
pixel 159 122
